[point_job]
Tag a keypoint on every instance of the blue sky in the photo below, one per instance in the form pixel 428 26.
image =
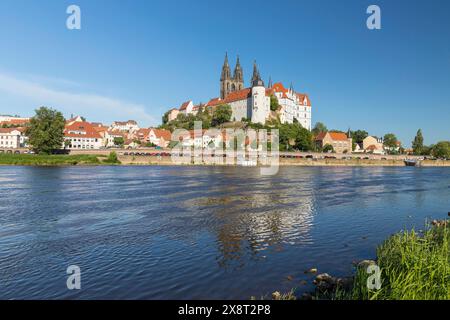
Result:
pixel 136 59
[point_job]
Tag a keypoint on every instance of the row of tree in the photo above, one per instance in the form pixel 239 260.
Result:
pixel 438 150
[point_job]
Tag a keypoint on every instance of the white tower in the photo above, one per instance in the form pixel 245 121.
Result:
pixel 260 103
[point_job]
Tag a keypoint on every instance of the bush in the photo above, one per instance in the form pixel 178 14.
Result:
pixel 112 158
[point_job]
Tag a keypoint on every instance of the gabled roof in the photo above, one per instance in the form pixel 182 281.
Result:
pixel 302 97
pixel 87 129
pixel 278 87
pixel 185 105
pixel 161 133
pixel 9 130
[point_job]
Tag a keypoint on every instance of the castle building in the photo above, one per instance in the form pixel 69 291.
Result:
pixel 253 103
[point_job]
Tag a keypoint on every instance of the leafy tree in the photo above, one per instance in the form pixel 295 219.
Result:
pixel 274 105
pixel 441 150
pixel 426 150
pixel 319 128
pixel 221 115
pixel 328 148
pixel 294 136
pixel 390 142
pixel 46 130
pixel 417 144
pixel 358 136
pixel 119 141
pixel 165 117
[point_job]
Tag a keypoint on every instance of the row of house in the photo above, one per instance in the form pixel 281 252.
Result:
pixel 80 134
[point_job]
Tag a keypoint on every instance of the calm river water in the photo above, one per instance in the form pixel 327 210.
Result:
pixel 200 232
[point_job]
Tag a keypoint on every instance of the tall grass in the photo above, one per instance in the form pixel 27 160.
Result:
pixel 46 160
pixel 413 267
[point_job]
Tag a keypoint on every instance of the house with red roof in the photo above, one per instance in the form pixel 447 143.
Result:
pixel 81 135
pixel 10 138
pixel 338 140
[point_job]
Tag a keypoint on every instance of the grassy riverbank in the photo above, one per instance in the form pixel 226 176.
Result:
pixel 48 160
pixel 413 266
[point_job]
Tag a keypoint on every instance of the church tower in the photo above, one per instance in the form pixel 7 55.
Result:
pixel 228 83
pixel 260 101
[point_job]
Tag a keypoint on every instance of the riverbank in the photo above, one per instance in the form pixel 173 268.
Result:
pixel 414 266
pixel 48 160
pixel 144 160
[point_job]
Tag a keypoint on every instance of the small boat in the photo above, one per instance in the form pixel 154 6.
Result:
pixel 412 163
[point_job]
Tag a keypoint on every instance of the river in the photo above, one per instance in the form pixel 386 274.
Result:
pixel 200 232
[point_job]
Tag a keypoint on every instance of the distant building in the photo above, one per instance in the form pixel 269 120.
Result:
pixel 173 114
pixel 339 141
pixel 13 121
pixel 127 126
pixel 187 107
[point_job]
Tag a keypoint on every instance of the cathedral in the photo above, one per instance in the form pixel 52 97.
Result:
pixel 254 103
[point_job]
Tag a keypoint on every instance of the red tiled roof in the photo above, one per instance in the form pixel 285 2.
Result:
pixel 8 130
pixel 15 122
pixel 161 133
pixel 232 97
pixel 302 97
pixel 278 87
pixel 336 136
pixel 83 126
pixel 184 105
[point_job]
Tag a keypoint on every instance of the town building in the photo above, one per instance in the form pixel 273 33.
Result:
pixel 10 138
pixel 80 134
pixel 173 114
pixel 373 145
pixel 338 140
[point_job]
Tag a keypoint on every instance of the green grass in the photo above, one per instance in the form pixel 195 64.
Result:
pixel 413 267
pixel 47 160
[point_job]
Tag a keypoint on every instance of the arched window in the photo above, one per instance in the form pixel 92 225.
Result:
pixel 233 87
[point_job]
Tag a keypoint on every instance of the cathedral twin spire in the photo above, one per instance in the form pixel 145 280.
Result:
pixel 230 83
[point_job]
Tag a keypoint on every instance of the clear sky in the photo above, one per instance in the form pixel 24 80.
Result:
pixel 136 59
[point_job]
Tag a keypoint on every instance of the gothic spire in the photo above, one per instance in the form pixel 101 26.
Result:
pixel 270 82
pixel 226 73
pixel 238 74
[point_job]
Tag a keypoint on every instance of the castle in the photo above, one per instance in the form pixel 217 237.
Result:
pixel 253 103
